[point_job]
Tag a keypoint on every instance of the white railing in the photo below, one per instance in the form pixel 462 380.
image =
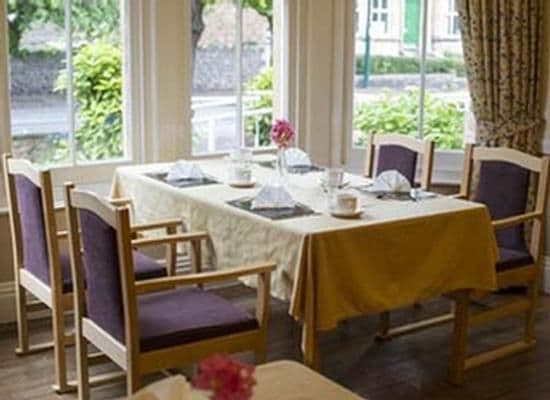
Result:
pixel 210 124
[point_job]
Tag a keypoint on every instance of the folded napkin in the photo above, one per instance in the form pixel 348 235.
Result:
pixel 184 170
pixel 296 157
pixel 391 181
pixel 273 196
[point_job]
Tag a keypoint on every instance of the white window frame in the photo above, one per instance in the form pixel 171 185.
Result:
pixel 448 163
pixel 451 18
pixel 280 104
pixel 378 10
pixel 90 171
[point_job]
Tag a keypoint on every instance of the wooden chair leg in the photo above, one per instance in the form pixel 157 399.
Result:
pixel 22 322
pixel 261 354
pixel 82 369
pixel 532 295
pixel 384 324
pixel 58 321
pixel 133 381
pixel 460 338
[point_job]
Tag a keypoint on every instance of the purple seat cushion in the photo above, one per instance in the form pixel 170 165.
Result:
pixel 391 156
pixel 180 316
pixel 503 187
pixel 145 267
pixel 510 259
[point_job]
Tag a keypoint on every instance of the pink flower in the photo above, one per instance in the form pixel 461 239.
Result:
pixel 282 133
pixel 227 379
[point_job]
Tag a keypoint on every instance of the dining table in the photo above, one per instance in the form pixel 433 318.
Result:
pixel 397 252
pixel 276 380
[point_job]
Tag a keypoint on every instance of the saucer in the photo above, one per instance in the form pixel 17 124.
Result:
pixel 347 214
pixel 242 185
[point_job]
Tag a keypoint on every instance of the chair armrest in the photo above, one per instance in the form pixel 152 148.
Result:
pixel 160 284
pixel 168 223
pixel 120 201
pixel 515 220
pixel 169 239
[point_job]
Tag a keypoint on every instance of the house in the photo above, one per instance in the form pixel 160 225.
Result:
pixel 396 27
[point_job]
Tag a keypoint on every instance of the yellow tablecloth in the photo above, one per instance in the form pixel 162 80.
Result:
pixel 330 269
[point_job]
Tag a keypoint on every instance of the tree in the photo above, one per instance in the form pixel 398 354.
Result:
pixel 91 19
pixel 262 7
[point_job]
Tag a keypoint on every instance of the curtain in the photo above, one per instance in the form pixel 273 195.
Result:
pixel 502 42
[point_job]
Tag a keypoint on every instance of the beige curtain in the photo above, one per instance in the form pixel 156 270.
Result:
pixel 502 41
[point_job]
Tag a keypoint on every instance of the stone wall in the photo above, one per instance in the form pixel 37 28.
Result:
pixel 215 67
pixel 35 74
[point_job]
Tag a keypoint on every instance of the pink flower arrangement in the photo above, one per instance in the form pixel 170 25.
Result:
pixel 225 378
pixel 282 133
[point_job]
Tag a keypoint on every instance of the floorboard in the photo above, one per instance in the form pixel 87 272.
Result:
pixel 411 367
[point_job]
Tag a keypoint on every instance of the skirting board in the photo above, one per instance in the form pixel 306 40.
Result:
pixel 7 298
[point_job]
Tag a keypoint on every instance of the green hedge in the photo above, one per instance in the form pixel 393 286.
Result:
pixel 381 65
pixel 263 82
pixel 443 120
pixel 97 86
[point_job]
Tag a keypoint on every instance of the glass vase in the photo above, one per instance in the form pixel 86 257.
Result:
pixel 281 166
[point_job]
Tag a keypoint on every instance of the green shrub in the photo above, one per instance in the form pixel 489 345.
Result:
pixel 443 120
pixel 98 93
pixel 381 65
pixel 263 83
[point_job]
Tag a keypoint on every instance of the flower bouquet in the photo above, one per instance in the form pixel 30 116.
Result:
pixel 283 135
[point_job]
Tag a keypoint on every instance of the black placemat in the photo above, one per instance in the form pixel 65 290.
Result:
pixel 401 196
pixel 182 183
pixel 295 169
pixel 299 210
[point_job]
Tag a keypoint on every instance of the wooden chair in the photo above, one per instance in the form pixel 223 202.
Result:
pixel 399 152
pixel 505 174
pixel 503 187
pixel 40 266
pixel 150 326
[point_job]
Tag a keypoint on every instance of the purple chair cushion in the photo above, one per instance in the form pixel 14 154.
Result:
pixel 35 250
pixel 145 267
pixel 503 187
pixel 402 159
pixel 180 316
pixel 510 259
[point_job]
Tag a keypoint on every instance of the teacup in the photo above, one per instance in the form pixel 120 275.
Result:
pixel 345 202
pixel 240 174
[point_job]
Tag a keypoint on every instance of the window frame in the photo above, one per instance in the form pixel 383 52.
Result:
pixel 451 18
pixel 280 102
pixel 380 11
pixel 448 163
pixel 101 170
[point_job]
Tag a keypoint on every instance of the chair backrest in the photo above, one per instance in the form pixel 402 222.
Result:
pixel 101 255
pixel 503 186
pixel 399 152
pixel 32 219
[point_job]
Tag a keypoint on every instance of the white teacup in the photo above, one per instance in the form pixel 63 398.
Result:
pixel 346 202
pixel 240 174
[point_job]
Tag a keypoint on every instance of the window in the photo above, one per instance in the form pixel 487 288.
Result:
pixel 452 18
pixel 233 74
pixel 380 17
pixel 66 81
pixel 414 87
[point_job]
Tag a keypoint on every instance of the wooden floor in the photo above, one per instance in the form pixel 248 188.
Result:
pixel 412 367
